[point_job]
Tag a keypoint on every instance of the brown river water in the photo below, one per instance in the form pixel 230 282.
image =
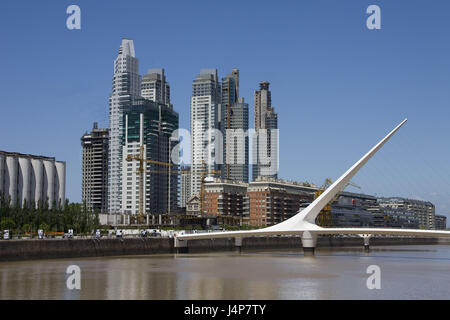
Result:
pixel 407 272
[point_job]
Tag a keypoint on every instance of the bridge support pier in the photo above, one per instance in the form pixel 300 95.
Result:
pixel 309 242
pixel 238 244
pixel 367 242
pixel 180 246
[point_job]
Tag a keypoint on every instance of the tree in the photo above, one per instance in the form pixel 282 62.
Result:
pixel 7 224
pixel 32 216
pixel 26 228
pixel 44 227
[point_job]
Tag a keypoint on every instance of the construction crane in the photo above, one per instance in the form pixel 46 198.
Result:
pixel 324 218
pixel 140 172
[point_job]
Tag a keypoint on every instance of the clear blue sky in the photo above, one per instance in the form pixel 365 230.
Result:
pixel 337 86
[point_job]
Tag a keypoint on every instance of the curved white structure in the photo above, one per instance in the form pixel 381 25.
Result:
pixel 37 180
pixel 24 185
pixel 60 190
pixel 303 223
pixel 2 169
pixel 31 178
pixel 49 185
pixel 11 171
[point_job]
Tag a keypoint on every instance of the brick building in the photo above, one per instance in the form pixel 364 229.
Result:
pixel 264 202
pixel 272 201
pixel 227 200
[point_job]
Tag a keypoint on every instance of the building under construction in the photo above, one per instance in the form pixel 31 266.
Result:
pixel 148 127
pixel 94 186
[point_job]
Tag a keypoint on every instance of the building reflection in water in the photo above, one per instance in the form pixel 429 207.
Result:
pixel 251 275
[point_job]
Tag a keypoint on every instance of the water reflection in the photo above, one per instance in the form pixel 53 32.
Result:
pixel 407 272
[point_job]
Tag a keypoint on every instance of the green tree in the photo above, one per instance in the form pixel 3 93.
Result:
pixel 26 228
pixel 44 227
pixel 7 223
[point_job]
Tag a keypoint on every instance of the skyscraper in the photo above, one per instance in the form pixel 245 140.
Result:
pixel 94 187
pixel 206 149
pixel 150 125
pixel 126 86
pixel 185 185
pixel 265 140
pixel 154 86
pixel 234 127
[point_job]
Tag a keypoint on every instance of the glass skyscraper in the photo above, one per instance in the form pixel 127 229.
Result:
pixel 149 124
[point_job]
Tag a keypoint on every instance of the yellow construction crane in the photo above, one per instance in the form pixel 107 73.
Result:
pixel 324 217
pixel 140 172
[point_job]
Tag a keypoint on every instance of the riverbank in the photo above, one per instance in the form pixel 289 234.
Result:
pixel 16 250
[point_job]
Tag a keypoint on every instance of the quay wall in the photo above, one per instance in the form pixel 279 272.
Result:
pixel 14 250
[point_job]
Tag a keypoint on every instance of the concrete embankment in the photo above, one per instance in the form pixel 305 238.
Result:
pixel 62 248
pixel 12 250
pixel 261 243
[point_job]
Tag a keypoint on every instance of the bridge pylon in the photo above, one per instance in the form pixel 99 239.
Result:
pixel 309 243
pixel 366 238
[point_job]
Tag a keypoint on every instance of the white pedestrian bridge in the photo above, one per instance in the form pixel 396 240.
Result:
pixel 303 223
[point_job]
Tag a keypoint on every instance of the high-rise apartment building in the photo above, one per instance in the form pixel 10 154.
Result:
pixel 234 127
pixel 185 185
pixel 28 180
pixel 150 125
pixel 154 86
pixel 265 140
pixel 126 86
pixel 94 186
pixel 206 147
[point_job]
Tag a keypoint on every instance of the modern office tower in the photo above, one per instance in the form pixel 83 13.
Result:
pixel 28 180
pixel 154 86
pixel 126 86
pixel 353 210
pixel 234 127
pixel 423 210
pixel 206 147
pixel 94 187
pixel 230 88
pixel 149 124
pixel 185 185
pixel 393 218
pixel 265 140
